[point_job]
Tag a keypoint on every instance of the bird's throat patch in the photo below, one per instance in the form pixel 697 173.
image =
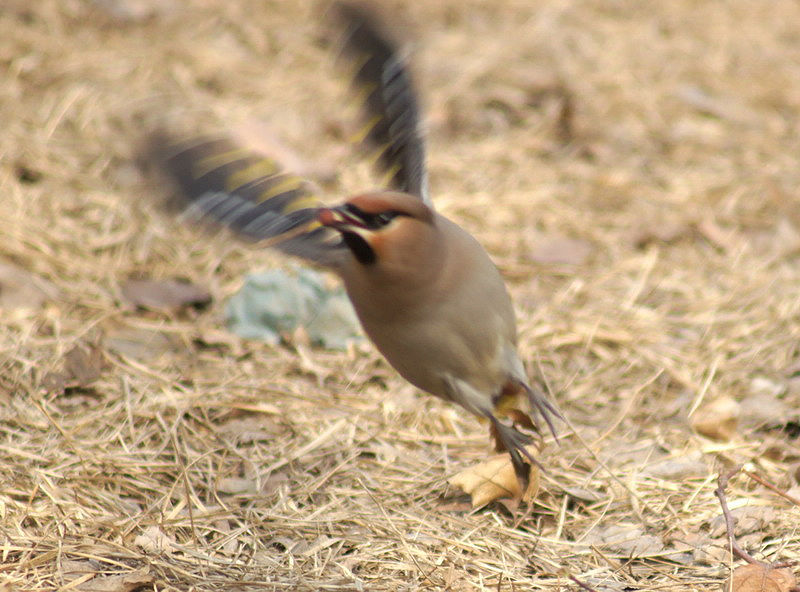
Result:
pixel 360 248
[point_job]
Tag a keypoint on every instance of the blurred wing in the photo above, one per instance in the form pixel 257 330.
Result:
pixel 229 186
pixel 390 102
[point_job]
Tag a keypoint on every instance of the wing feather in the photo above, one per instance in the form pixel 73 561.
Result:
pixel 221 183
pixel 389 101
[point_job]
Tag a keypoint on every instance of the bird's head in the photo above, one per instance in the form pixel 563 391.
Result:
pixel 384 228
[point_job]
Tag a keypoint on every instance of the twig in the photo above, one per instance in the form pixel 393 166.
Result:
pixel 771 487
pixel 722 483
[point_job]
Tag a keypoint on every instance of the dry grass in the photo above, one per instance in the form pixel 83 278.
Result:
pixel 282 468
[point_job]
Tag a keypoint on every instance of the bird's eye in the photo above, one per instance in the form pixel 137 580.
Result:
pixel 384 218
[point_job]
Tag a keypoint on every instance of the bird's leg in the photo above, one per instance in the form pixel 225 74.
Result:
pixel 515 442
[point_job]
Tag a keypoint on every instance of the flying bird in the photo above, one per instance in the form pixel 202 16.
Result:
pixel 426 292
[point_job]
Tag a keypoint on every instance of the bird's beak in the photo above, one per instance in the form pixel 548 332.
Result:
pixel 340 218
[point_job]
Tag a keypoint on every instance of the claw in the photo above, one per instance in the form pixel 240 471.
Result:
pixel 515 442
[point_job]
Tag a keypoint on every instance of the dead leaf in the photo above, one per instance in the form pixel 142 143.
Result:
pixel 695 544
pixel 153 540
pixel 779 449
pixel 678 469
pixel 249 429
pixel 138 344
pixel 494 479
pixel 165 294
pixel 236 485
pixel 748 519
pixel 582 494
pixel 765 410
pixel 717 419
pixel 117 583
pixel 715 552
pixel 626 541
pixel 665 233
pixel 21 289
pixel 71 569
pixel 274 483
pixel 85 576
pixel 82 365
pixel 754 577
pixel 561 250
pixel 229 543
pixel 320 543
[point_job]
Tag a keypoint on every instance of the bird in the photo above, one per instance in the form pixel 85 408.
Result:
pixel 426 292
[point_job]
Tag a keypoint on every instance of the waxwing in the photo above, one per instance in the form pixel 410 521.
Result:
pixel 424 289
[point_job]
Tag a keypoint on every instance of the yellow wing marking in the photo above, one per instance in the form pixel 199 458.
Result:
pixel 262 168
pixel 210 163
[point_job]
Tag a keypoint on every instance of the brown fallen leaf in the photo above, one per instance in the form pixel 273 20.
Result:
pixel 89 576
pixel 117 583
pixel 153 540
pixel 747 520
pixel 274 483
pixel 679 468
pixel 71 569
pixel 582 494
pixel 165 294
pixel 82 365
pixel 717 419
pixel 21 289
pixel 236 486
pixel 659 232
pixel 249 429
pixel 625 540
pixel 760 578
pixel 139 344
pixel 493 479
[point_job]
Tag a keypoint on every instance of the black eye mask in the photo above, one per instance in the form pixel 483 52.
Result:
pixel 372 221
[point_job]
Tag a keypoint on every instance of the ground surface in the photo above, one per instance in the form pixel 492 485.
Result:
pixel 632 167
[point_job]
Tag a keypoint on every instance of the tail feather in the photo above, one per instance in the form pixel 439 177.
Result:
pixel 544 407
